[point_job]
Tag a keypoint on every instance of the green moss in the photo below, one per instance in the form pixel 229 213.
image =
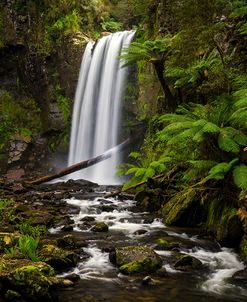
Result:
pixel 57 257
pixel 243 246
pixel 176 207
pixel 139 266
pixel 224 222
pixel 100 227
pixel 34 281
pixel 163 243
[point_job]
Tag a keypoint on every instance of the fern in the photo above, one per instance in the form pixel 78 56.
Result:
pixel 220 170
pixel 198 169
pixel 240 176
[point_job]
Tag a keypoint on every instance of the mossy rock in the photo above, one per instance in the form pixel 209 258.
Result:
pixel 100 227
pixel 243 247
pixel 140 266
pixel 150 200
pixel 186 262
pixel 33 281
pixel 166 245
pixel 38 217
pixel 174 211
pixel 58 258
pixel 225 223
pixel 136 259
pixel 67 242
pixel 8 240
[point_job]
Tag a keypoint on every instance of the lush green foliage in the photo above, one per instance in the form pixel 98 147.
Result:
pixel 111 25
pixel 64 103
pixel 26 228
pixel 18 118
pixel 207 141
pixel 28 247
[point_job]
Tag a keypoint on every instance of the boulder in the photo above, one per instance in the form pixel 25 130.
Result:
pixel 24 280
pixel 187 262
pixel 150 200
pixel 58 258
pixel 176 209
pixel 100 227
pixel 136 259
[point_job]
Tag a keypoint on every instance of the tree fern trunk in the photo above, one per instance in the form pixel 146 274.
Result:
pixel 170 99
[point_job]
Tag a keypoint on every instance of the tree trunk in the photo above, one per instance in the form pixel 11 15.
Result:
pixel 159 69
pixel 84 164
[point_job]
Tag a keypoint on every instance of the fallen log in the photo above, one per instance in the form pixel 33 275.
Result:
pixel 83 164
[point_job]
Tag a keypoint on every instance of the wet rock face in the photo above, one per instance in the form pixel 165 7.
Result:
pixel 150 200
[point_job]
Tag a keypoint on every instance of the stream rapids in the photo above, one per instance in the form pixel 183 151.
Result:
pixel 101 281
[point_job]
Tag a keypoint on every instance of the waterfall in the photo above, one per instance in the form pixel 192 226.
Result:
pixel 96 113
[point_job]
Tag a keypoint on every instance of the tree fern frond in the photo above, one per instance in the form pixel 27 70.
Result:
pixel 240 176
pixel 210 128
pixel 134 155
pixel 239 117
pixel 238 136
pixel 227 144
pixel 202 164
pixel 149 173
pixel 185 135
pixel 176 127
pixel 219 171
pixel 200 123
pixel 132 170
pixel 198 169
pixel 242 102
pixel 199 136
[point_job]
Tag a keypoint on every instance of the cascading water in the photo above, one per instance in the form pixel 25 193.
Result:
pixel 96 113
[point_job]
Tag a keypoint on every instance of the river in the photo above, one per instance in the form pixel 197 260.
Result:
pixel 101 281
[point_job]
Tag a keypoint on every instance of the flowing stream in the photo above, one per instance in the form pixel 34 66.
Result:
pixel 96 114
pixel 101 281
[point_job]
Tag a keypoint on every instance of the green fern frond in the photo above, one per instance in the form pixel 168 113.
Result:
pixel 134 155
pixel 140 172
pixel 242 102
pixel 243 29
pixel 227 144
pixel 132 170
pixel 149 173
pixel 240 176
pixel 220 170
pixel 202 164
pixel 240 11
pixel 183 136
pixel 198 169
pixel 210 128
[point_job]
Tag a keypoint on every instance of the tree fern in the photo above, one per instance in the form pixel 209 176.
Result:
pixel 219 171
pixel 198 169
pixel 240 176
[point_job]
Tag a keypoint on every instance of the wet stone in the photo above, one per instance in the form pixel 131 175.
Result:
pixel 100 227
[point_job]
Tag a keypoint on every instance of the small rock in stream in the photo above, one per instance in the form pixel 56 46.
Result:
pixel 100 227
